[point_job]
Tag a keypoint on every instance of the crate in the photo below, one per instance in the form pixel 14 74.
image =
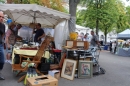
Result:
pixel 44 80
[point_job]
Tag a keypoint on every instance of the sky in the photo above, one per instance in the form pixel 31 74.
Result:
pixel 126 3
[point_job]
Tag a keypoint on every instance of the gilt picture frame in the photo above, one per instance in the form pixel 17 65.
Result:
pixel 68 69
pixel 85 69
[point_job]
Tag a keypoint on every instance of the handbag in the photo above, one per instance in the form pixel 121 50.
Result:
pixel 4 46
pixel 44 67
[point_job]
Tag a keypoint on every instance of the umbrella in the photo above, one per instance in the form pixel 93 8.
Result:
pixel 32 13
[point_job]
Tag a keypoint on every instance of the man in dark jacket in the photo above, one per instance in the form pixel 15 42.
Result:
pixel 110 46
pixel 2 33
pixel 39 33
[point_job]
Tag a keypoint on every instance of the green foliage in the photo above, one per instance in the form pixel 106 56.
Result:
pixel 54 4
pixel 121 23
pixel 128 16
pixel 2 1
pixel 110 14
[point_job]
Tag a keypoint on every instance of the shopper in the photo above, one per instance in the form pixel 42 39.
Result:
pixel 17 28
pixel 9 41
pixel 86 38
pixel 2 32
pixel 94 40
pixel 110 46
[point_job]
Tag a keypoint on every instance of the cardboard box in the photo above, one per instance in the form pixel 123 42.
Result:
pixel 44 80
pixel 55 73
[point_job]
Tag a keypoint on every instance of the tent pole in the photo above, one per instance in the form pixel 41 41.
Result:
pixel 34 21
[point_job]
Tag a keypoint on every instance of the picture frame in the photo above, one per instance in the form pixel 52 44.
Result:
pixel 68 69
pixel 85 69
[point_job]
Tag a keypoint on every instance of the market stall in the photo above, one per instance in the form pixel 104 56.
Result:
pixel 124 49
pixel 32 13
pixel 124 34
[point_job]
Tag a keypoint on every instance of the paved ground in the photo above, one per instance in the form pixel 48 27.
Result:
pixel 117 74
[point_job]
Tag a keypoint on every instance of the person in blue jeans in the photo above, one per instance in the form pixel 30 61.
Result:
pixel 2 33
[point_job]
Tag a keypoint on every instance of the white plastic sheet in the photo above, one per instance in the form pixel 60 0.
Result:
pixel 61 34
pixel 25 32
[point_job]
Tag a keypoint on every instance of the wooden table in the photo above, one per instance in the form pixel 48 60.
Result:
pixel 27 52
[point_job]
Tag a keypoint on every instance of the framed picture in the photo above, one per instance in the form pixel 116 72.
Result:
pixel 68 69
pixel 85 69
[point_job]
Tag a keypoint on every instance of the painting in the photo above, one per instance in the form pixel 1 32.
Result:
pixel 68 69
pixel 85 69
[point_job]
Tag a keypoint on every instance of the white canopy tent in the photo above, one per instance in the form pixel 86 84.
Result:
pixel 32 13
pixel 110 36
pixel 124 34
pixel 78 27
pixel 81 29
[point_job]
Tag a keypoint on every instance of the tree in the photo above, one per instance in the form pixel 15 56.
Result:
pixel 72 11
pixel 2 1
pixel 96 5
pixel 128 16
pixel 54 4
pixel 121 23
pixel 107 16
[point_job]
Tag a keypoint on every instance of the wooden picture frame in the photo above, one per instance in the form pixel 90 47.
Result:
pixel 85 69
pixel 68 69
pixel 62 60
pixel 70 43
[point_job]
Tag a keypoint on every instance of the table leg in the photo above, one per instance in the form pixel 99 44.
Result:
pixel 21 78
pixel 78 62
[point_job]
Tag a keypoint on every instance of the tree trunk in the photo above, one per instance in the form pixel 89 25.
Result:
pixel 9 1
pixel 72 11
pixel 97 23
pixel 105 33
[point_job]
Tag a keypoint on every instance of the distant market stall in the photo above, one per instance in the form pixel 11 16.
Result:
pixel 124 49
pixel 124 34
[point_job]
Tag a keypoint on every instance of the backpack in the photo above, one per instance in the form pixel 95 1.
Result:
pixel 12 38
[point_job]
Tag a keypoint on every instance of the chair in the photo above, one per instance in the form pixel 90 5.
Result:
pixel 58 66
pixel 35 59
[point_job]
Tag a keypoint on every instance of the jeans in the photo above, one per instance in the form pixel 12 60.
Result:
pixel 9 50
pixel 2 58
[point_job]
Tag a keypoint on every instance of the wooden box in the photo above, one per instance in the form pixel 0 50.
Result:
pixel 54 73
pixel 76 44
pixel 44 80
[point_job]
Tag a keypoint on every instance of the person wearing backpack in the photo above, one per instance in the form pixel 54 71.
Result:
pixel 9 41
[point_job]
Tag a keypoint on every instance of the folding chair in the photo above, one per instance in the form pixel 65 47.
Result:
pixel 35 59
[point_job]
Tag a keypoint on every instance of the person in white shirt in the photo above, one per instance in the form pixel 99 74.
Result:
pixel 86 38
pixel 114 47
pixel 81 36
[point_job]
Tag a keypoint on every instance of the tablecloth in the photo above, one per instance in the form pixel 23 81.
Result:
pixel 123 52
pixel 27 52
